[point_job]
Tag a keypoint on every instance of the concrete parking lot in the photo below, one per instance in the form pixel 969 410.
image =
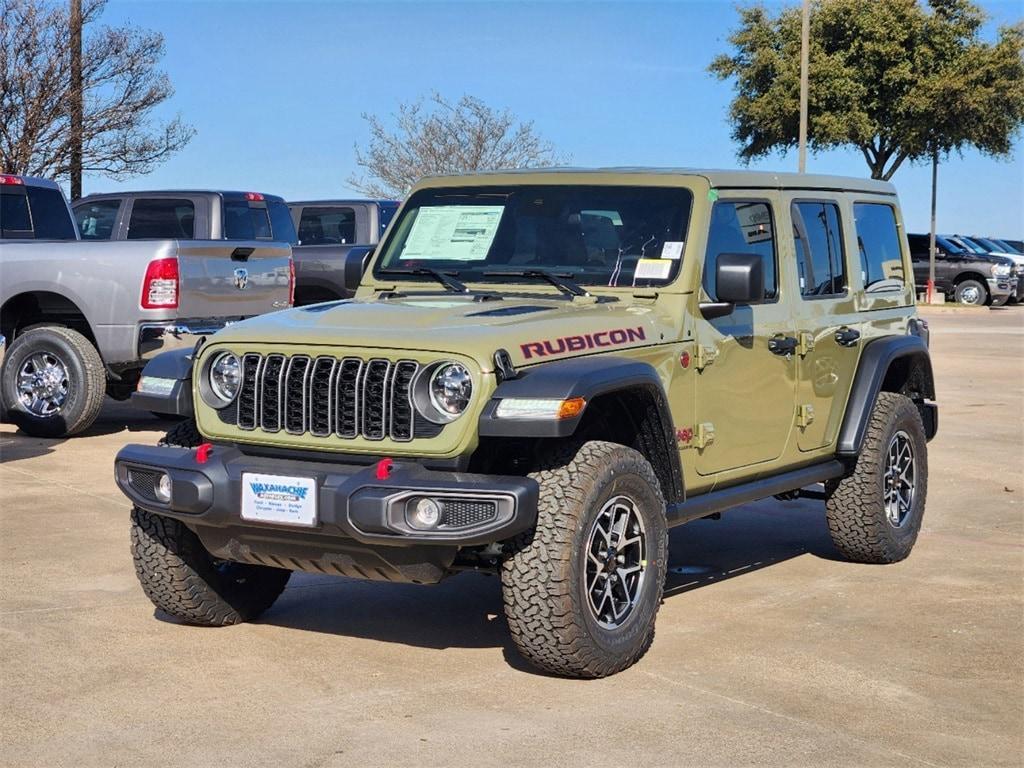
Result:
pixel 769 650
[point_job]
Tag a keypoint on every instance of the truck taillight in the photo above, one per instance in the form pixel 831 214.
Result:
pixel 6 178
pixel 291 282
pixel 160 286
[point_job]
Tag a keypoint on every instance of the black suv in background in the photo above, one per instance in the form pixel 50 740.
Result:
pixel 963 275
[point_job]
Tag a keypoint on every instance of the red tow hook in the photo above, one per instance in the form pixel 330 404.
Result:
pixel 203 453
pixel 384 467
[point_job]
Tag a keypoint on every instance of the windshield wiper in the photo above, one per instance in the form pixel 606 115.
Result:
pixel 447 279
pixel 561 281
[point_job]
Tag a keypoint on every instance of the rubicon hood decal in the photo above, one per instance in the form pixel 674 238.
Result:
pixel 580 342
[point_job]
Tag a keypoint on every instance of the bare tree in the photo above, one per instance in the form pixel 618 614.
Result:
pixel 434 136
pixel 120 86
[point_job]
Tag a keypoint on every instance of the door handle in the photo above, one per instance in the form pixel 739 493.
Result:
pixel 847 337
pixel 782 345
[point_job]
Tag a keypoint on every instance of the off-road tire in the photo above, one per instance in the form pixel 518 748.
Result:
pixel 87 381
pixel 182 579
pixel 855 506
pixel 184 434
pixel 963 285
pixel 543 578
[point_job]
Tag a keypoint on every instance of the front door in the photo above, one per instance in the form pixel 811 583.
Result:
pixel 746 381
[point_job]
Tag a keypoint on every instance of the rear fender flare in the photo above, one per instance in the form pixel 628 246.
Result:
pixel 891 363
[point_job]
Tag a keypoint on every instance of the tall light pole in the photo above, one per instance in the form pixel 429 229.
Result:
pixel 75 97
pixel 805 44
pixel 930 295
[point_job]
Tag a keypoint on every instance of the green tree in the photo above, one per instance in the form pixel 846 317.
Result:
pixel 897 79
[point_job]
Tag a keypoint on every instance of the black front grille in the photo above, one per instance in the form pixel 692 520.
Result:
pixel 459 513
pixel 144 482
pixel 348 397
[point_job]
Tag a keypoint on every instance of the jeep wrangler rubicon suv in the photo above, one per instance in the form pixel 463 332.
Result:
pixel 540 374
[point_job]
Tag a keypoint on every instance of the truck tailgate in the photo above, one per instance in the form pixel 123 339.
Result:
pixel 231 279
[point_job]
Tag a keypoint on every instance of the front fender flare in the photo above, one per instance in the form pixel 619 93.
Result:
pixel 175 365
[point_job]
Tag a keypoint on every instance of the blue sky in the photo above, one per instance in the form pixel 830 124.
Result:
pixel 275 91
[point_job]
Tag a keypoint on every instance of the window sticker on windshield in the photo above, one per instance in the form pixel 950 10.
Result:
pixel 672 249
pixel 453 232
pixel 652 269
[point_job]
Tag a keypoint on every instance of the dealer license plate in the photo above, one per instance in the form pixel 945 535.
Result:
pixel 278 499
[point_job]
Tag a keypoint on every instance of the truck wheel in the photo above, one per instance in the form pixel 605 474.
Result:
pixel 582 589
pixel 53 382
pixel 874 514
pixel 971 292
pixel 182 579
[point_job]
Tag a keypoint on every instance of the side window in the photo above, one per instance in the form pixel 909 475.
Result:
pixel 741 227
pixel 50 217
pixel 878 241
pixel 162 219
pixel 96 220
pixel 818 237
pixel 327 226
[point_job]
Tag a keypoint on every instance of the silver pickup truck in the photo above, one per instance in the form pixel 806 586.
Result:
pixel 82 318
pixel 335 239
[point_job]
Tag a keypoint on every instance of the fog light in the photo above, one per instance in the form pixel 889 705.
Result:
pixel 163 489
pixel 426 514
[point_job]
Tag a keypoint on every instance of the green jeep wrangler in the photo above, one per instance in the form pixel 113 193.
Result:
pixel 541 373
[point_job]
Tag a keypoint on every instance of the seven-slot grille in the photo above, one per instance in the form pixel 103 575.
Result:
pixel 348 397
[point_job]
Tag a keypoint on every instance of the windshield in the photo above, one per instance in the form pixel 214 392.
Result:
pixel 594 235
pixel 969 245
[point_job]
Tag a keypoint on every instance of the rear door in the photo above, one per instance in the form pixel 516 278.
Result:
pixel 827 321
pixel 98 219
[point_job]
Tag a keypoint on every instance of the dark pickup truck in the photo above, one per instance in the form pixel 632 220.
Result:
pixel 336 238
pixel 964 276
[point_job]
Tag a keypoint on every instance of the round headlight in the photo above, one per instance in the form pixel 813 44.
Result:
pixel 225 377
pixel 450 389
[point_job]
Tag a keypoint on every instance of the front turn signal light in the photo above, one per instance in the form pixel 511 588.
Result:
pixel 555 409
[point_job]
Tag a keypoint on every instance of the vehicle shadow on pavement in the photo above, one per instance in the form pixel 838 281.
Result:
pixel 745 540
pixel 115 417
pixel 466 611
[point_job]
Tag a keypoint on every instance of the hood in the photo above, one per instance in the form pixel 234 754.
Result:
pixel 532 329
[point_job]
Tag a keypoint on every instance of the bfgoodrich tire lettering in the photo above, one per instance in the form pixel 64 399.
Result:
pixel 544 580
pixel 85 381
pixel 862 527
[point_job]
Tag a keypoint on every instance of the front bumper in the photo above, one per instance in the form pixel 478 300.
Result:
pixel 1002 288
pixel 158 337
pixel 361 520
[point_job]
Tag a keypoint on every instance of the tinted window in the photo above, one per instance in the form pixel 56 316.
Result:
pixel 96 220
pixel 878 241
pixel 14 216
pixel 237 221
pixel 260 222
pixel 741 227
pixel 918 246
pixel 281 222
pixel 327 226
pixel 818 238
pixel 50 217
pixel 599 235
pixel 162 218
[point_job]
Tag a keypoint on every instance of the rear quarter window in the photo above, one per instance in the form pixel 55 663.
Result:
pixel 878 241
pixel 50 217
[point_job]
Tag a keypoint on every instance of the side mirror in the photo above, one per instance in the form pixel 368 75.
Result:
pixel 739 279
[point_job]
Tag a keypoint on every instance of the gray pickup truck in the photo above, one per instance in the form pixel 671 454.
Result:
pixel 82 318
pixel 335 239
